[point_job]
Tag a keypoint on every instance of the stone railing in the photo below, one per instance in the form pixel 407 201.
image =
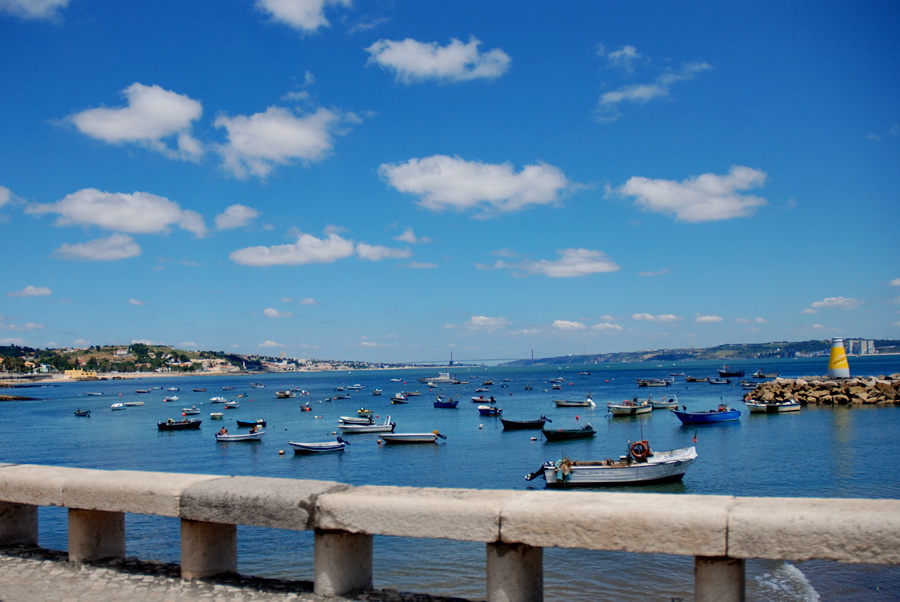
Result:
pixel 720 532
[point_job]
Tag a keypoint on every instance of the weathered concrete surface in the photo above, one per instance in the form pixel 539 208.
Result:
pixel 257 501
pixel 688 525
pixel 460 514
pixel 845 530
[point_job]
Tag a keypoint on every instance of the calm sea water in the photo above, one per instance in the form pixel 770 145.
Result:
pixel 818 452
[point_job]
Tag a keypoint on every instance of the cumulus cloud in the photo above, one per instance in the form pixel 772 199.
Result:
pixel 413 61
pixel 894 282
pixel 710 319
pixel 377 252
pixel 5 195
pixel 235 216
pixel 608 105
pixel 703 198
pixel 487 323
pixel 308 249
pixel 152 115
pixel 624 58
pixel 31 291
pixel 33 9
pixel 136 302
pixel 567 325
pixel 258 143
pixel 443 182
pixel 269 344
pixel 572 263
pixel 410 237
pixel 111 248
pixel 833 303
pixel 606 327
pixel 651 318
pixel 135 213
pixel 271 312
pixel 304 15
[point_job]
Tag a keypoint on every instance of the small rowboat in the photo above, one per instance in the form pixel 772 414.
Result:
pixel 231 405
pixel 440 402
pixel 489 410
pixel 83 413
pixel 249 423
pixel 391 438
pixel 522 425
pixel 772 407
pixel 630 407
pixel 318 447
pixel 356 420
pixel 722 414
pixel 566 434
pixel 483 399
pixel 386 427
pixel 228 437
pixel 191 411
pixel 179 425
pixel 567 403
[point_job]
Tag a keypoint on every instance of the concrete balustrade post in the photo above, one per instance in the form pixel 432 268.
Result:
pixel 18 524
pixel 342 562
pixel 515 573
pixel 718 579
pixel 207 549
pixel 96 534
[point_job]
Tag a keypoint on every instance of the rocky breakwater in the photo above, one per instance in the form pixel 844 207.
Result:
pixel 825 391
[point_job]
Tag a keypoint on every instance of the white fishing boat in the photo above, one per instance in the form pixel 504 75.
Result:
pixel 392 438
pixel 217 399
pixel 191 411
pixel 356 419
pixel 133 404
pixel 587 402
pixel 772 407
pixel 117 406
pixel 216 416
pixel 630 407
pixel 385 427
pixel 229 437
pixel 638 466
pixel 284 394
pixel 232 405
pixel 318 447
pixel 399 398
pixel 169 398
pixel 665 403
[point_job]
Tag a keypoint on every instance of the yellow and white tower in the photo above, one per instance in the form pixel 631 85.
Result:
pixel 837 363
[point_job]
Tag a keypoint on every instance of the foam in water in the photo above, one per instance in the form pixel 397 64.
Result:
pixel 787 583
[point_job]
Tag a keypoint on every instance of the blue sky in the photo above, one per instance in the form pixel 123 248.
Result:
pixel 397 180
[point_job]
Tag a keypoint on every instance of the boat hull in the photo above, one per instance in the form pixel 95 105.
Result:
pixel 181 425
pixel 317 448
pixel 568 434
pixel 632 410
pixel 662 467
pixel 707 417
pixel 773 408
pixel 243 437
pixel 522 425
pixel 407 438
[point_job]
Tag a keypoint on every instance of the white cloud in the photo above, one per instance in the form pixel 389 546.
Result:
pixel 308 301
pixel 894 282
pixel 135 213
pixel 111 248
pixel 608 106
pixel 5 195
pixel 12 341
pixel 152 115
pixel 703 198
pixel 652 318
pixel 136 302
pixel 414 61
pixel 33 9
pixel 307 249
pixel 268 344
pixel 486 323
pixel 410 237
pixel 271 312
pixel 377 253
pixel 711 319
pixel 654 273
pixel 235 216
pixel 258 143
pixel 422 265
pixel 31 291
pixel 606 327
pixel 750 321
pixel 624 58
pixel 567 325
pixel 444 182
pixel 305 15
pixel 835 303
pixel 572 263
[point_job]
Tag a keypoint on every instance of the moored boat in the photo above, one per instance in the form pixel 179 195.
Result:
pixel 356 419
pixel 216 416
pixel 761 374
pixel 630 407
pixel 772 407
pixel 726 371
pixel 654 382
pixel 232 405
pixel 483 399
pixel 399 398
pixel 640 465
pixel 432 437
pixel 132 404
pixel 385 427
pixel 191 411
pixel 117 406
pixel 567 434
pixel 229 437
pixel 522 425
pixel 318 447
pixel 489 410
pixel 284 394
pixel 440 402
pixel 83 413
pixel 665 403
pixel 217 399
pixel 188 424
pixel 588 402
pixel 169 398
pixel 250 423
pixel 721 414
pixel 719 381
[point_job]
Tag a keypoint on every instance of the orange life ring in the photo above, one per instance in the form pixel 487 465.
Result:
pixel 639 450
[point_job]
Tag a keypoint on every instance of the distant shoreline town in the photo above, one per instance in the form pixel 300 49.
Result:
pixel 143 360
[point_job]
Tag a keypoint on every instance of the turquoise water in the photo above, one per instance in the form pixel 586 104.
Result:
pixel 818 452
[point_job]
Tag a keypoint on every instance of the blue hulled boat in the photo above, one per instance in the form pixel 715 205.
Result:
pixel 721 414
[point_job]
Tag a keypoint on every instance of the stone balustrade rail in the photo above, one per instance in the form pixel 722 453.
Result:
pixel 719 531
